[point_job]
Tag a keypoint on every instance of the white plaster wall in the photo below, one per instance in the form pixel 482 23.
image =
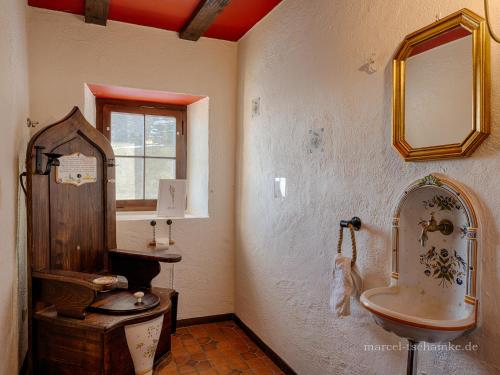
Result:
pixel 65 53
pixel 14 111
pixel 197 157
pixel 89 105
pixel 306 61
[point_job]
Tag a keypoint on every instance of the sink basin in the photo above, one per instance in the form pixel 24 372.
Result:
pixel 411 314
pixel 432 294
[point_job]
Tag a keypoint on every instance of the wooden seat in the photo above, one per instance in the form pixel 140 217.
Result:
pixel 77 318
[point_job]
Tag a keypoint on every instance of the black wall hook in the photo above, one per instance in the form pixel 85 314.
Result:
pixel 355 222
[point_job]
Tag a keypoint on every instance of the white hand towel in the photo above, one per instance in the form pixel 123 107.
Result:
pixel 345 282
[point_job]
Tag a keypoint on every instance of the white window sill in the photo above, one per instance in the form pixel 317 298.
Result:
pixel 151 215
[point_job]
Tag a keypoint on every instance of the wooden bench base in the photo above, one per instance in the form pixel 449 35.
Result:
pixel 96 344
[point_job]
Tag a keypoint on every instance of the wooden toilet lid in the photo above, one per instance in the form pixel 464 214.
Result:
pixel 124 302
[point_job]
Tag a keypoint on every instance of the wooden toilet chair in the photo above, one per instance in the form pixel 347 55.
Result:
pixel 77 317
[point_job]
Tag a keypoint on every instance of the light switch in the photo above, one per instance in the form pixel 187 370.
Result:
pixel 279 187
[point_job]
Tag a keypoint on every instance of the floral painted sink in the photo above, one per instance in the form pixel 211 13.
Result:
pixel 432 296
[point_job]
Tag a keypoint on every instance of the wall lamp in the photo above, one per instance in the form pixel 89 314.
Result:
pixel 53 161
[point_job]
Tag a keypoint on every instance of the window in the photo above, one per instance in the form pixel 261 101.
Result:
pixel 149 141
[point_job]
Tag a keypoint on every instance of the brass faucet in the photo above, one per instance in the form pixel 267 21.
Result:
pixel 445 227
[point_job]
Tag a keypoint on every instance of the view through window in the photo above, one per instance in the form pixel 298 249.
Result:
pixel 149 145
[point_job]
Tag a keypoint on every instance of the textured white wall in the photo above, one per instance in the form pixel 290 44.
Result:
pixel 306 61
pixel 197 157
pixel 14 110
pixel 65 53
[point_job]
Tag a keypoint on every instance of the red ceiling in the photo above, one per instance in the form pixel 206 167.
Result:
pixel 127 93
pixel 235 20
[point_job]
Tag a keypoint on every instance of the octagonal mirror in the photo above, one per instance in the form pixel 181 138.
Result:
pixel 441 89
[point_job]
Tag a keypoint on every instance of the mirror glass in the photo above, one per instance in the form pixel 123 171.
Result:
pixel 438 90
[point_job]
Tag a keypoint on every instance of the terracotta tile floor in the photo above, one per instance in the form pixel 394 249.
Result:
pixel 217 349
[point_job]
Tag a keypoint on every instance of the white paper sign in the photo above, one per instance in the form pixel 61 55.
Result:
pixel 76 169
pixel 171 198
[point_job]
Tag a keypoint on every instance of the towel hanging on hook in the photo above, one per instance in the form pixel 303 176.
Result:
pixel 346 281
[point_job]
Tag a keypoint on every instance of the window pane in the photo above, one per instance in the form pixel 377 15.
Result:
pixel 129 178
pixel 157 169
pixel 127 133
pixel 161 133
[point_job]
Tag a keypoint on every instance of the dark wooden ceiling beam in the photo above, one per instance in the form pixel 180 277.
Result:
pixel 202 18
pixel 96 11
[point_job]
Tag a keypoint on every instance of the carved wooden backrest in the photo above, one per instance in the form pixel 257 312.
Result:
pixel 70 227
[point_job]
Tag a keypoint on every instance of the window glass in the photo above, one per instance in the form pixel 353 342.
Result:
pixel 160 136
pixel 129 178
pixel 157 169
pixel 127 134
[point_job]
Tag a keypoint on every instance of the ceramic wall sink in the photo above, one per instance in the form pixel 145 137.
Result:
pixel 413 315
pixel 432 295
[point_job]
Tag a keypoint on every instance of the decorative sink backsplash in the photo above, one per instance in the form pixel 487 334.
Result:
pixel 434 232
pixel 441 265
pixel 444 255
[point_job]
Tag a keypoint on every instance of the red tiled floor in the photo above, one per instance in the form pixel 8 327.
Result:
pixel 217 349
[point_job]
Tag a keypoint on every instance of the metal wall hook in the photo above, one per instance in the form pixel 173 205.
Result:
pixel 355 222
pixel 30 123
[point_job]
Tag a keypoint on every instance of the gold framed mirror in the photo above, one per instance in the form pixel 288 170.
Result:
pixel 441 89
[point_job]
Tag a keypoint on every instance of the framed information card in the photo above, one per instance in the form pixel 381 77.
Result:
pixel 76 169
